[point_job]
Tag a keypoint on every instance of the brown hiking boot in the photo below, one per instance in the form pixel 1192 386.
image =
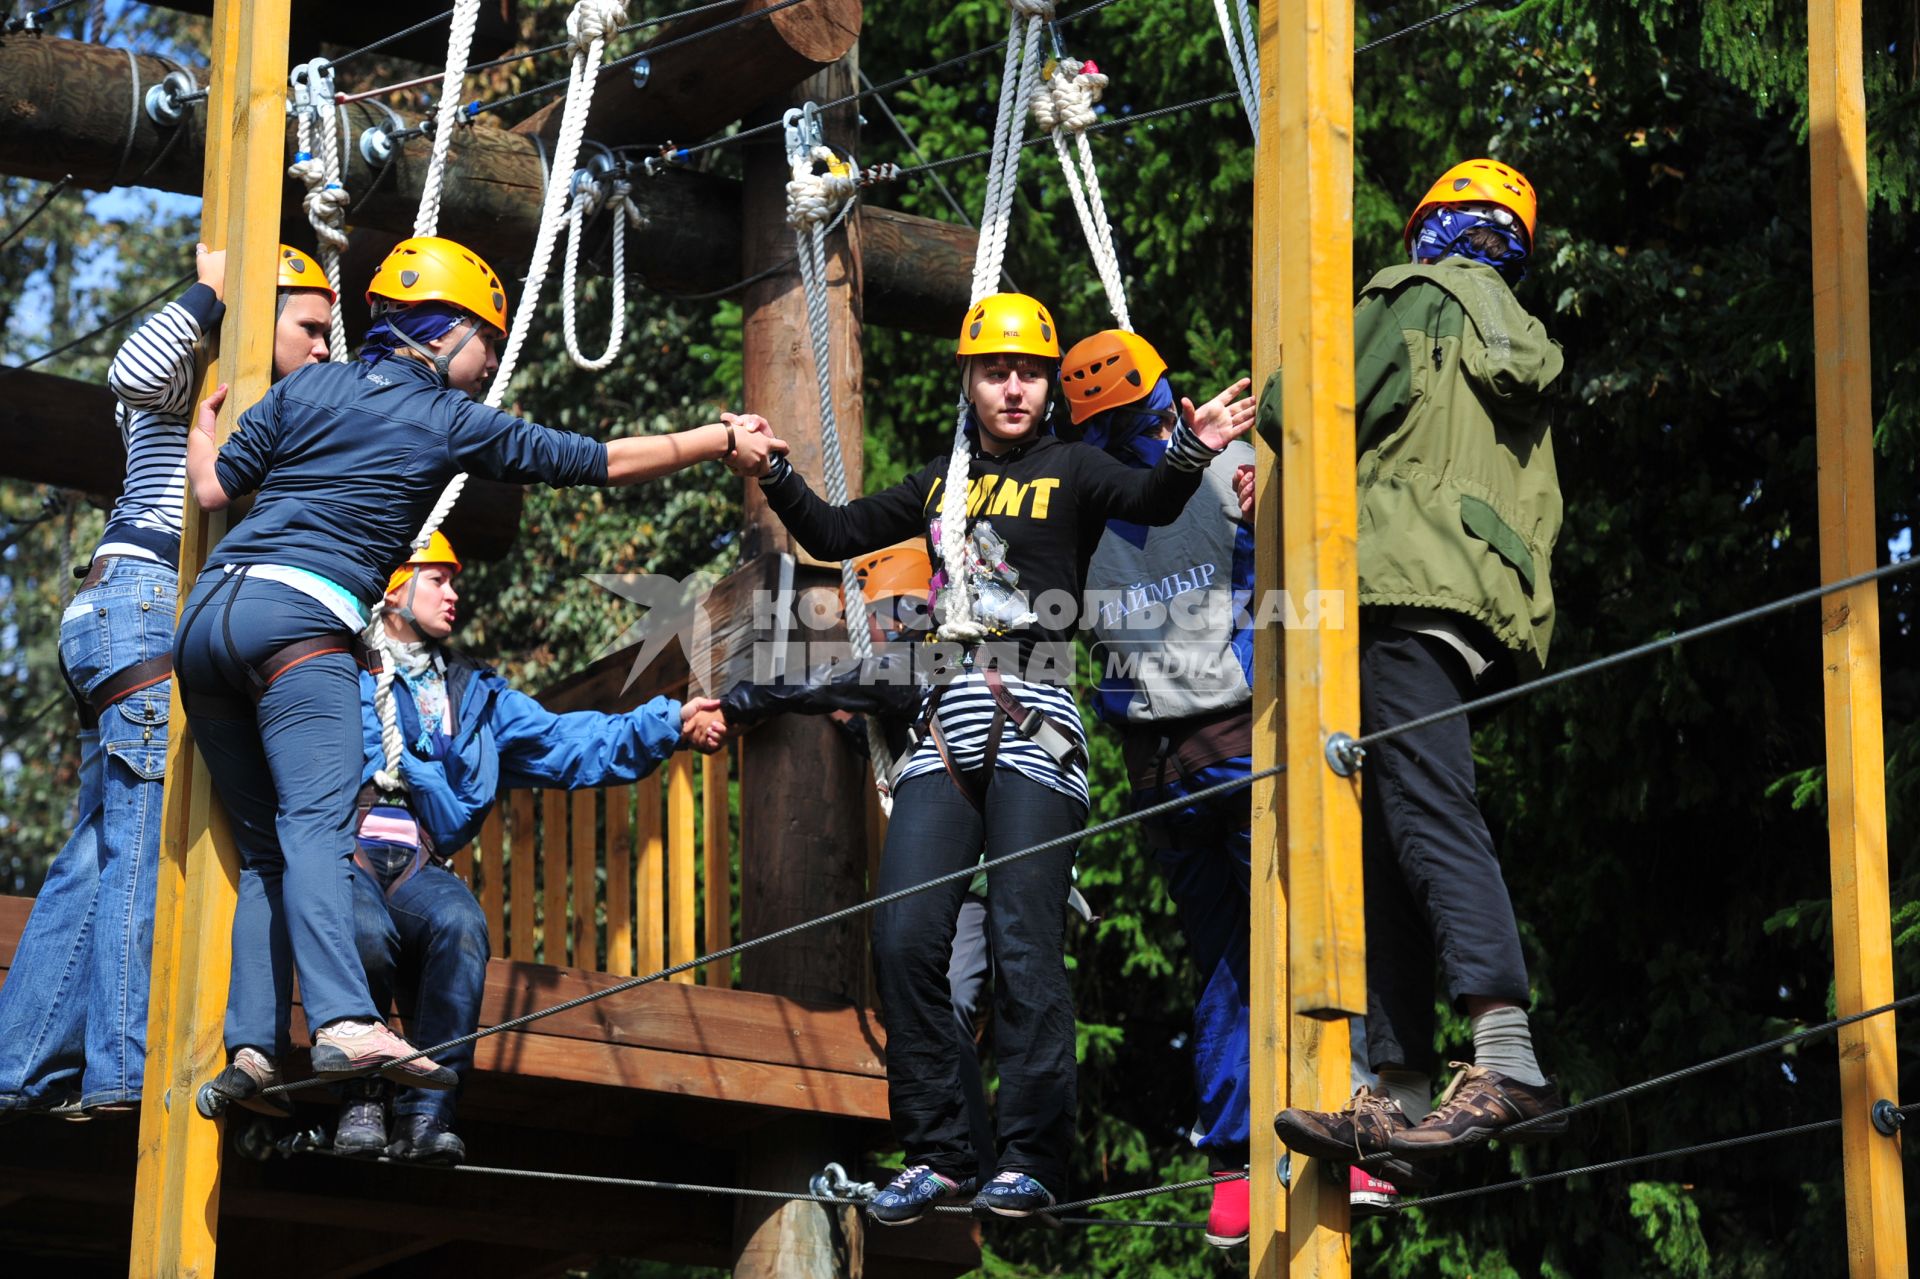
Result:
pixel 1363 1128
pixel 1479 1104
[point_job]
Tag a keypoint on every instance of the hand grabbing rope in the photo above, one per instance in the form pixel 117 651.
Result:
pixel 1064 105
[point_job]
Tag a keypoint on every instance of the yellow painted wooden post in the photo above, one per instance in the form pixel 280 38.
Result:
pixel 620 881
pixel 717 841
pixel 1850 636
pixel 1268 1015
pixel 177 1187
pixel 680 934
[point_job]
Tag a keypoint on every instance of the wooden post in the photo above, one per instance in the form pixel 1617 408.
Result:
pixel 493 889
pixel 553 873
pixel 1267 1013
pixel 802 789
pixel 177 1187
pixel 586 892
pixel 525 858
pixel 650 882
pixel 1850 636
pixel 620 881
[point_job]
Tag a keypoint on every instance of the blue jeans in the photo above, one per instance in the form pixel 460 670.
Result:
pixel 73 1013
pixel 288 771
pixel 1205 853
pixel 426 948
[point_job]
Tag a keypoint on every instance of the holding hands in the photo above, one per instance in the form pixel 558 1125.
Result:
pixel 1223 419
pixel 703 725
pixel 754 445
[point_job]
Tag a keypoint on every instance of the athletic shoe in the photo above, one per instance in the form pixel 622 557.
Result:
pixel 1477 1105
pixel 426 1139
pixel 1231 1216
pixel 1368 1195
pixel 912 1194
pixel 1013 1194
pixel 362 1130
pixel 1364 1128
pixel 348 1047
pixel 242 1081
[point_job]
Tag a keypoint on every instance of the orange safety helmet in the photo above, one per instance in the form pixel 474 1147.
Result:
pixel 438 550
pixel 1480 182
pixel 1109 369
pixel 894 571
pixel 298 271
pixel 1009 324
pixel 430 268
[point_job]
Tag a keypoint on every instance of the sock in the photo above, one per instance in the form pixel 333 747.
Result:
pixel 1412 1089
pixel 1502 1042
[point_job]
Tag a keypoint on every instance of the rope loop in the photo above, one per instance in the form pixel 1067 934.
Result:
pixel 1065 101
pixel 594 20
pixel 820 184
pixel 1041 9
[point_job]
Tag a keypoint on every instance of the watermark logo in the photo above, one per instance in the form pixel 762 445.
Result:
pixel 676 609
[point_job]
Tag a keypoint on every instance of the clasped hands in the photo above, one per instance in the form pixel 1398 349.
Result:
pixel 703 725
pixel 754 445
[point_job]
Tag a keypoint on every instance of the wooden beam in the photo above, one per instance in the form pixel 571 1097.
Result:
pixel 177 1192
pixel 1850 636
pixel 60 431
pixel 699 88
pixel 66 105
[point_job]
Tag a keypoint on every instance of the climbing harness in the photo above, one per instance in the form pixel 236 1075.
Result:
pixel 821 184
pixel 1029 724
pixel 327 200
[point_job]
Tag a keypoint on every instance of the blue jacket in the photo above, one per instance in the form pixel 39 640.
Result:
pixel 504 739
pixel 349 458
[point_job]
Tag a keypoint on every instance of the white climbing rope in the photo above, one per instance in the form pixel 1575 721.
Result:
pixel 820 184
pixel 466 17
pixel 326 200
pixel 625 214
pixel 1017 77
pixel 1063 105
pixel 1243 54
pixel 589 26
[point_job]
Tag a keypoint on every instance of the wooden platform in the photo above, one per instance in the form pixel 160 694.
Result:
pixel 666 1082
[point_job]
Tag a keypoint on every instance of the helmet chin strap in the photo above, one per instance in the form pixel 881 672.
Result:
pixel 441 363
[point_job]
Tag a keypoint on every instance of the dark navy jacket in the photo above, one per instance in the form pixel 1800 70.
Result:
pixel 349 459
pixel 504 739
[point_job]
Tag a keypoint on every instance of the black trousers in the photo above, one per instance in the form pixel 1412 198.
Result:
pixel 936 831
pixel 1435 895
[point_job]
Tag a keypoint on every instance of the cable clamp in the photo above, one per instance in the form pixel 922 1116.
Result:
pixel 1344 755
pixel 1887 1118
pixel 832 1182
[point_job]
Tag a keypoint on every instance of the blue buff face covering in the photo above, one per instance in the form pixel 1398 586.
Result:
pixel 1119 430
pixel 422 322
pixel 1443 234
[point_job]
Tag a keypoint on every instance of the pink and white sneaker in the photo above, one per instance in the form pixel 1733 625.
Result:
pixel 1367 1195
pixel 1231 1216
pixel 348 1047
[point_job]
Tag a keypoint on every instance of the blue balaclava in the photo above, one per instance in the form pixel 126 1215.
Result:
pixel 1127 431
pixel 412 326
pixel 1443 233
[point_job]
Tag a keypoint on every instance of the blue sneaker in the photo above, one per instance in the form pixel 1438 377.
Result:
pixel 908 1197
pixel 1013 1194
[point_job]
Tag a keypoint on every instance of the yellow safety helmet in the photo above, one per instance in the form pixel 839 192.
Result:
pixel 298 271
pixel 430 268
pixel 1009 324
pixel 1109 369
pixel 1480 182
pixel 438 550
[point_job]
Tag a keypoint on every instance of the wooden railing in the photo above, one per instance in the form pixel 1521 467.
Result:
pixel 622 880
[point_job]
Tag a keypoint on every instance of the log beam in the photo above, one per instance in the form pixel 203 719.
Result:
pixel 60 431
pixel 65 106
pixel 697 89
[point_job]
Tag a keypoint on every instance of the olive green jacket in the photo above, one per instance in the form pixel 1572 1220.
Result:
pixel 1459 501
